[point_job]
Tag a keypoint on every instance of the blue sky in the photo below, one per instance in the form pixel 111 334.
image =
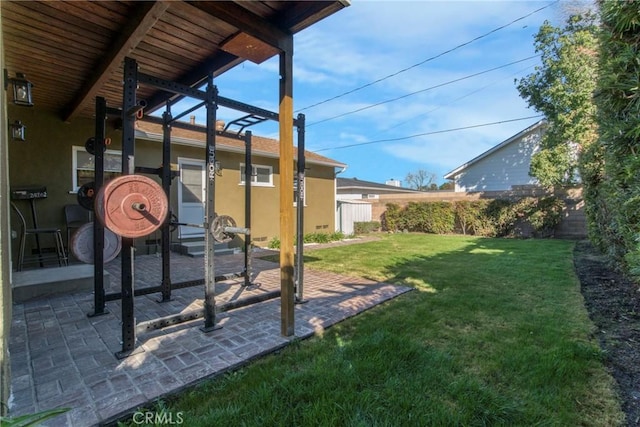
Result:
pixel 370 40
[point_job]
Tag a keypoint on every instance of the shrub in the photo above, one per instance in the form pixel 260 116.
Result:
pixel 520 212
pixel 471 217
pixel 611 167
pixel 442 218
pixel 502 217
pixel 336 236
pixel 316 238
pixel 391 218
pixel 274 243
pixel 365 227
pixel 526 217
pixel 429 217
pixel 546 215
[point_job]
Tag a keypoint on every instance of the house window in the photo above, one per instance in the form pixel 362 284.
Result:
pixel 260 175
pixel 84 166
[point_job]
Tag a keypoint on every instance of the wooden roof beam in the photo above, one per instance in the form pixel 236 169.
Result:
pixel 304 14
pixel 246 21
pixel 145 17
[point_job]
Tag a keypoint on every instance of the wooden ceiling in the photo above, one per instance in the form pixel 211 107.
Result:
pixel 73 51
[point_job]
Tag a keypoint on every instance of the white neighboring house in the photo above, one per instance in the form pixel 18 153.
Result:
pixel 351 200
pixel 354 188
pixel 503 166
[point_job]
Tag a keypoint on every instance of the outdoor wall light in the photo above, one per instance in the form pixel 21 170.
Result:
pixel 21 88
pixel 17 130
pixel 218 167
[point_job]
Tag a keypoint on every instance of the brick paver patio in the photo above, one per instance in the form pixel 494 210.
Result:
pixel 62 358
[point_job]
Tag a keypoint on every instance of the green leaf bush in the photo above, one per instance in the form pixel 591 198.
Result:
pixel 391 217
pixel 365 227
pixel 274 243
pixel 612 186
pixel 526 217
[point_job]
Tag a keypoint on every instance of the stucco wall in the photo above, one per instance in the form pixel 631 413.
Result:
pixel 46 159
pixel 320 203
pixel 5 255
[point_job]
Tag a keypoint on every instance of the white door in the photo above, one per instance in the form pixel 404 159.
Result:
pixel 191 197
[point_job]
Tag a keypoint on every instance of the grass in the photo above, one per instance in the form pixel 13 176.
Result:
pixel 496 333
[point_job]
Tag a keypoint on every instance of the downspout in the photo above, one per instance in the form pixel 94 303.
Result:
pixel 335 182
pixel 335 194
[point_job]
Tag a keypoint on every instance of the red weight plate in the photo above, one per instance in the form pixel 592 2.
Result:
pixel 132 206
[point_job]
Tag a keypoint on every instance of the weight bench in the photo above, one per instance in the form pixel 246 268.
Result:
pixel 45 282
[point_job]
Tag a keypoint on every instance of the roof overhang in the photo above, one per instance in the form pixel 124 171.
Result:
pixel 74 51
pixel 374 189
pixel 229 148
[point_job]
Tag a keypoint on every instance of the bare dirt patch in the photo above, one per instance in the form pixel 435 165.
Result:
pixel 613 303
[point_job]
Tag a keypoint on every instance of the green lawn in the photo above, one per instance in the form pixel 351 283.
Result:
pixel 496 333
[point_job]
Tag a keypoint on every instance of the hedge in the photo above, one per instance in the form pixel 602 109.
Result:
pixel 527 217
pixel 365 227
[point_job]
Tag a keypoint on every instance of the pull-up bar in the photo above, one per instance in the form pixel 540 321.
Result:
pixel 211 100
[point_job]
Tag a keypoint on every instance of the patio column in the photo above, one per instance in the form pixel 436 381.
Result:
pixel 287 299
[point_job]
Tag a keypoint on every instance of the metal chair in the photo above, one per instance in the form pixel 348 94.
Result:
pixel 60 254
pixel 75 216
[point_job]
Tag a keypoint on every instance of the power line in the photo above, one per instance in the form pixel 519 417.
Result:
pixel 428 59
pixel 398 124
pixel 421 90
pixel 428 133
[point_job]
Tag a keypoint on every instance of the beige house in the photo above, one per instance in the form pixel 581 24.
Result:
pixel 66 165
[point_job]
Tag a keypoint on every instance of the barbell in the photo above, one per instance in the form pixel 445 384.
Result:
pixel 135 206
pixel 223 228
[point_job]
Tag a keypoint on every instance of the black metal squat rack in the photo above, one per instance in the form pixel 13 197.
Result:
pixel 130 112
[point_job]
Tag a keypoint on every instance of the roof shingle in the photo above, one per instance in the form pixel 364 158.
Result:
pixel 259 145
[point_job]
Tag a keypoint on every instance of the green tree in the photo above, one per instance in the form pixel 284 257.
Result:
pixel 562 90
pixel 615 202
pixel 448 186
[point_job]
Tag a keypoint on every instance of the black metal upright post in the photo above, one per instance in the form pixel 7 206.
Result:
pixel 98 228
pixel 166 186
pixel 247 207
pixel 209 262
pixel 300 212
pixel 128 152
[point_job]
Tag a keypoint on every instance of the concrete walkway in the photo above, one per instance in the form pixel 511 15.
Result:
pixel 62 358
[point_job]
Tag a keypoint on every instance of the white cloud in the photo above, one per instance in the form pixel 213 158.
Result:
pixel 370 40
